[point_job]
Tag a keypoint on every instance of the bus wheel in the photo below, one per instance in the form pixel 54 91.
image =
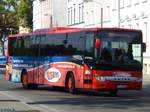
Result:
pixel 10 77
pixel 24 80
pixel 33 86
pixel 113 92
pixel 71 84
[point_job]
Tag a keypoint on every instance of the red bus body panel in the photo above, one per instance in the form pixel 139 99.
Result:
pixel 107 85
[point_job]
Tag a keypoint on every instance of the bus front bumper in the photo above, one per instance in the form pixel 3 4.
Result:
pixel 112 85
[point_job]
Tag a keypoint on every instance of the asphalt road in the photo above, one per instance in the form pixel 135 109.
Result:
pixel 54 100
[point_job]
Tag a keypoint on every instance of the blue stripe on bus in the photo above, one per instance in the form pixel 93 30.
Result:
pixel 20 62
pixel 29 62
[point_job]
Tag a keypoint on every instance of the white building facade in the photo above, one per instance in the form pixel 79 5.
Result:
pixel 88 13
pixel 49 13
pixel 75 13
pixel 59 13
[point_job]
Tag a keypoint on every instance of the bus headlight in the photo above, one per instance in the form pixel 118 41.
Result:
pixel 139 80
pixel 100 78
pixel 121 78
pixel 88 72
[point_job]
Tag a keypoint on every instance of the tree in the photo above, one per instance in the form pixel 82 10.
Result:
pixel 8 21
pixel 14 13
pixel 24 12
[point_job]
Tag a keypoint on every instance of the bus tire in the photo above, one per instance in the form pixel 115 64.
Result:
pixel 33 86
pixel 10 77
pixel 71 84
pixel 24 80
pixel 113 92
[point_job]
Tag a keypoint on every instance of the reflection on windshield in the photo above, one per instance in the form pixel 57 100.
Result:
pixel 120 47
pixel 115 55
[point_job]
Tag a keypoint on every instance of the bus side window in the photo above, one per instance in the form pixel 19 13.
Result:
pixel 77 42
pixel 37 45
pixel 89 44
pixel 43 46
pixel 20 46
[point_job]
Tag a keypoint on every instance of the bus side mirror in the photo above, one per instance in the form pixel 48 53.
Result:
pixel 143 47
pixel 97 43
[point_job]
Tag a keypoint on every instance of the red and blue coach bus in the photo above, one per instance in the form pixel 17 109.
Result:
pixel 102 59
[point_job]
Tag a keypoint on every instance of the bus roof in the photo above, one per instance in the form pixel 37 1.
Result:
pixel 19 35
pixel 56 30
pixel 69 30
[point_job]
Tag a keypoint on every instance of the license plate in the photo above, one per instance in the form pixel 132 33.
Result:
pixel 121 86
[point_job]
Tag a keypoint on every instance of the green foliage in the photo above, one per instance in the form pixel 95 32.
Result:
pixel 14 13
pixel 8 18
pixel 24 12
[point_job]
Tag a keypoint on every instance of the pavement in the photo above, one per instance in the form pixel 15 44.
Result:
pixel 10 103
pixel 146 79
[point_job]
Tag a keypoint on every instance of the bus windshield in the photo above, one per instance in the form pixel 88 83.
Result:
pixel 120 48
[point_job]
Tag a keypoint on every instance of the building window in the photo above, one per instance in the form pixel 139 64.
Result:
pixel 79 13
pixel 92 17
pixel 149 69
pixel 144 1
pixel 136 2
pixel 144 15
pixel 130 26
pixel 145 69
pixel 134 16
pixel 137 25
pixel 71 18
pixel 68 16
pixel 121 4
pixel 122 20
pixel 115 5
pixel 82 14
pixel 74 14
pixel 122 26
pixel 128 3
pixel 69 0
pixel 145 24
pixel 108 13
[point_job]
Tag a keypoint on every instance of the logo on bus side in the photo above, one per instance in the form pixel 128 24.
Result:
pixel 52 75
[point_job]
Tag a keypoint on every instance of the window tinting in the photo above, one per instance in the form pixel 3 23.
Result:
pixel 12 46
pixel 76 43
pixel 89 44
pixel 54 45
pixel 48 45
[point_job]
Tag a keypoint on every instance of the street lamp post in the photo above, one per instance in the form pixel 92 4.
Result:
pixel 101 9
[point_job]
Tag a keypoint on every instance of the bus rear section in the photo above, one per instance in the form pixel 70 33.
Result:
pixel 15 53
